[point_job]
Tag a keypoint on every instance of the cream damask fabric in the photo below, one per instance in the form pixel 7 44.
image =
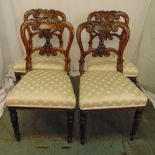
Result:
pixel 43 89
pixel 42 62
pixel 109 89
pixel 109 64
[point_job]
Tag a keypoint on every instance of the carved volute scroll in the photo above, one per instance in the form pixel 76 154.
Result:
pixel 48 16
pixel 105 25
pixel 47 29
pixel 41 13
pixel 108 15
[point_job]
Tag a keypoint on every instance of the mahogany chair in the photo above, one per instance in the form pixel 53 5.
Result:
pixel 50 61
pixel 40 88
pixel 107 89
pixel 93 63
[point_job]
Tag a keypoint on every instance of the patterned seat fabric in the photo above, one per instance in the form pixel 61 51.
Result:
pixel 109 64
pixel 43 89
pixel 109 89
pixel 41 62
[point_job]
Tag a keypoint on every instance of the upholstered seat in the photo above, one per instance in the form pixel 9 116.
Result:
pixel 107 90
pixel 41 62
pixel 43 89
pixel 109 64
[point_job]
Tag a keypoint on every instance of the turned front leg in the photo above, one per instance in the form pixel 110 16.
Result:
pixel 83 123
pixel 70 123
pixel 136 122
pixel 14 121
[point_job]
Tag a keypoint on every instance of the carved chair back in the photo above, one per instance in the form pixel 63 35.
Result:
pixel 48 15
pixel 104 25
pixel 44 13
pixel 45 28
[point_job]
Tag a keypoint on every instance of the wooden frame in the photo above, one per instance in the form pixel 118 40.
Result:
pixel 44 27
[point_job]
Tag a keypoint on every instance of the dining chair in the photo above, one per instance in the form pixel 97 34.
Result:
pixel 44 89
pixel 49 61
pixel 107 89
pixel 93 63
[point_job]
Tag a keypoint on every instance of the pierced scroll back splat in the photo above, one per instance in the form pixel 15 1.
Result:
pixel 107 19
pixel 103 31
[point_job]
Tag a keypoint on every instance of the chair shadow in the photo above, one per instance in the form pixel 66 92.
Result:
pixel 42 123
pixel 110 123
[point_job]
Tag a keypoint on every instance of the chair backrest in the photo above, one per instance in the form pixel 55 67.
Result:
pixel 39 14
pixel 44 13
pixel 105 25
pixel 47 28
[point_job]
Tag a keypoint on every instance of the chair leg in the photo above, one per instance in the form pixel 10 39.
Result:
pixel 14 121
pixel 18 77
pixel 133 79
pixel 70 123
pixel 83 123
pixel 136 122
